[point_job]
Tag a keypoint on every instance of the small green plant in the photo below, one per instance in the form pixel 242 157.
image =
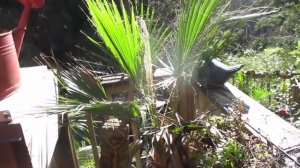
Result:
pixel 85 157
pixel 218 121
pixel 221 143
pixel 252 87
pixel 239 80
pixel 260 94
pixel 233 155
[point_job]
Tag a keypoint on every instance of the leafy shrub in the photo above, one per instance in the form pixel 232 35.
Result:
pixel 233 155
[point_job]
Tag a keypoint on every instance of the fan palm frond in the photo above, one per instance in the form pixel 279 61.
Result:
pixel 81 84
pixel 192 23
pixel 120 33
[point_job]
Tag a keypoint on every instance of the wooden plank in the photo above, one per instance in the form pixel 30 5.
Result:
pixel 37 90
pixel 7 158
pixel 10 133
pixel 277 130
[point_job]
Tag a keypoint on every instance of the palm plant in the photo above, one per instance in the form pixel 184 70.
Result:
pixel 134 42
pixel 127 39
pixel 196 29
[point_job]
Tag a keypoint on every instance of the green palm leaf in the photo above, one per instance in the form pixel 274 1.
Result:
pixel 120 33
pixel 158 34
pixel 81 84
pixel 77 110
pixel 85 94
pixel 192 24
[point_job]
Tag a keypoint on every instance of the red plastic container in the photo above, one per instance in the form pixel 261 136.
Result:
pixel 9 65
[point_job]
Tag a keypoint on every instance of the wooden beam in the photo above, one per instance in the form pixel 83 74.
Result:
pixel 279 131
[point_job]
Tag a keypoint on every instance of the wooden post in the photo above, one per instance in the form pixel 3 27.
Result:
pixel 295 92
pixel 7 158
pixel 114 145
pixel 118 87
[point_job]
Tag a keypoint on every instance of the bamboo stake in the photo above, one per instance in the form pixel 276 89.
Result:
pixel 135 131
pixel 93 139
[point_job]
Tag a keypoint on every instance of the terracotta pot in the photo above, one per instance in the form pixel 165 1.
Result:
pixel 9 65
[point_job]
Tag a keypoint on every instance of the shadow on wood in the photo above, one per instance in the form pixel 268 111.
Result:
pixel 63 155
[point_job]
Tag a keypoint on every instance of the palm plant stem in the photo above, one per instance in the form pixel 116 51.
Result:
pixel 92 135
pixel 72 147
pixel 175 98
pixel 149 89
